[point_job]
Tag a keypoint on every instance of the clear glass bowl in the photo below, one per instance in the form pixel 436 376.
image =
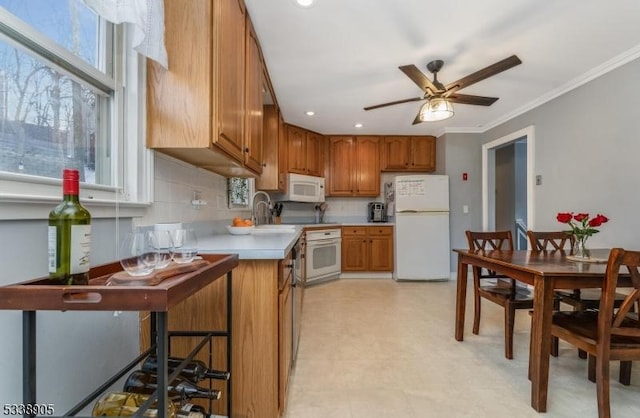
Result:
pixel 138 255
pixel 185 245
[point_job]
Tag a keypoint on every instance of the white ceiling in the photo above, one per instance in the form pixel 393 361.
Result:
pixel 339 56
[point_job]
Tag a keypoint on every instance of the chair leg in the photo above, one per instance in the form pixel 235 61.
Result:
pixel 625 373
pixel 591 368
pixel 602 387
pixel 509 320
pixel 476 312
pixel 554 346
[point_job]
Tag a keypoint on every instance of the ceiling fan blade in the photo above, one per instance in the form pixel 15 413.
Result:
pixel 417 120
pixel 414 99
pixel 419 78
pixel 471 100
pixel 487 72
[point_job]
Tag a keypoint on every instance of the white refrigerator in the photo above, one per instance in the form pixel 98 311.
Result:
pixel 421 227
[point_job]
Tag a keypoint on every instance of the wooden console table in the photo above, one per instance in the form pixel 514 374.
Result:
pixel 35 295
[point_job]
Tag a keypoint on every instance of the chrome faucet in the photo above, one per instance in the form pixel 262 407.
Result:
pixel 255 206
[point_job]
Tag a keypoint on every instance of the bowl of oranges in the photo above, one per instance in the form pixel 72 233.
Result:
pixel 240 226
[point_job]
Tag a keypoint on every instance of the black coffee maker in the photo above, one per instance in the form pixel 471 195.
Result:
pixel 376 212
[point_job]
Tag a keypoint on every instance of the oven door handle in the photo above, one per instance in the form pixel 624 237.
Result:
pixel 328 241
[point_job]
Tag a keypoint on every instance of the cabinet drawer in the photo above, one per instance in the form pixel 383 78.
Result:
pixel 354 230
pixel 380 230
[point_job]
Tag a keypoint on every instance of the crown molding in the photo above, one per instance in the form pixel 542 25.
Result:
pixel 608 66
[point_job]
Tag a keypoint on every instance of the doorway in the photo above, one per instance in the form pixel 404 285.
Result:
pixel 508 182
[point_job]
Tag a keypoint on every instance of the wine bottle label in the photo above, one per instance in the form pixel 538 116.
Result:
pixel 53 248
pixel 80 248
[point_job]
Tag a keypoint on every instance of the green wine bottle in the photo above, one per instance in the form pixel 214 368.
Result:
pixel 69 235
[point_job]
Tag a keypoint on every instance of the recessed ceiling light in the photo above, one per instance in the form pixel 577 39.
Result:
pixel 358 125
pixel 305 3
pixel 309 113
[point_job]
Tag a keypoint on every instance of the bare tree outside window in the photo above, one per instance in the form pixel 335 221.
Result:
pixel 49 120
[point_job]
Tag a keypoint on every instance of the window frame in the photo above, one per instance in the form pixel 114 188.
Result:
pixel 25 196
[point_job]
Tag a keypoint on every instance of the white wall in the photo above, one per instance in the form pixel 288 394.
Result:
pixel 587 148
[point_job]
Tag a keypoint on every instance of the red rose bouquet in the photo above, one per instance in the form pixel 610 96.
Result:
pixel 582 227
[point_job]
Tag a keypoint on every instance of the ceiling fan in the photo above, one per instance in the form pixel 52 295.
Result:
pixel 439 96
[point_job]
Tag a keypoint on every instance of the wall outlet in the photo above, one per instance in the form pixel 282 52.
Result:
pixel 539 180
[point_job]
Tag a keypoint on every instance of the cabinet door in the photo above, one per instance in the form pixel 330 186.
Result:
pixel 341 169
pixel 285 330
pixel 297 149
pixel 315 154
pixel 381 248
pixel 423 153
pixel 283 154
pixel 269 179
pixel 354 253
pixel 253 103
pixel 230 58
pixel 395 153
pixel 366 164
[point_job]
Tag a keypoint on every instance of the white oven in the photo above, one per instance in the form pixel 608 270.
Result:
pixel 323 255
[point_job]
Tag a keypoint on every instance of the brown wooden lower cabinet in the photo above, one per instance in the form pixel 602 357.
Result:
pixel 367 248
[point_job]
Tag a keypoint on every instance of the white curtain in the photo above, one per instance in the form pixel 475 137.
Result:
pixel 147 19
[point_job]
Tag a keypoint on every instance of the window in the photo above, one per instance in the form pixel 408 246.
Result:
pixel 63 73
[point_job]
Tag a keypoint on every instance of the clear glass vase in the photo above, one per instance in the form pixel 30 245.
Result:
pixel 580 249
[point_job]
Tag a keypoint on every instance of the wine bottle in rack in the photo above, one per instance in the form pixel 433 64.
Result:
pixel 144 382
pixel 126 404
pixel 69 235
pixel 195 370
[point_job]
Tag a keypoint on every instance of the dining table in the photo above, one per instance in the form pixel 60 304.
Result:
pixel 546 271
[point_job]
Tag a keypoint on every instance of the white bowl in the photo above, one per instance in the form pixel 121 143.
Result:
pixel 239 230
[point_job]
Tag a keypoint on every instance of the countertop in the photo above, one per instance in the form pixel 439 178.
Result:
pixel 266 246
pixel 271 246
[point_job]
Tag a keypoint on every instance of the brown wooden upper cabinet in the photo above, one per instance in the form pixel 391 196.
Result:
pixel 274 171
pixel 253 101
pixel 354 166
pixel 409 153
pixel 197 110
pixel 306 151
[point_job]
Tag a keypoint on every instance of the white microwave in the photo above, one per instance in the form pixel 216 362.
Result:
pixel 302 188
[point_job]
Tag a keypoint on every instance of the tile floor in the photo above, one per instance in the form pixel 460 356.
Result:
pixel 379 348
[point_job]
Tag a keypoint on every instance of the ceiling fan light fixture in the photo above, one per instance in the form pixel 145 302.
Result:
pixel 435 110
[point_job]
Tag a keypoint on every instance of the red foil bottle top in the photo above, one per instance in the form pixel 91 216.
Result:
pixel 70 181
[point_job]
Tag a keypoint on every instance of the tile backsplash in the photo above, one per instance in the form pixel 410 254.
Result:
pixel 174 185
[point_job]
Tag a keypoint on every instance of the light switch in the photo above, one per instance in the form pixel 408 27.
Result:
pixel 465 209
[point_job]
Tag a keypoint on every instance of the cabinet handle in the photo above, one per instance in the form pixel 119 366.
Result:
pixel 246 150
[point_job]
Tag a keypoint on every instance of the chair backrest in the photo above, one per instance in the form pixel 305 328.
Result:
pixel 498 240
pixel 616 322
pixel 550 241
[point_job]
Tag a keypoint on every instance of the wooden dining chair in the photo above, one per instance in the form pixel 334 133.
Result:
pixel 606 334
pixel 551 242
pixel 579 299
pixel 497 288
